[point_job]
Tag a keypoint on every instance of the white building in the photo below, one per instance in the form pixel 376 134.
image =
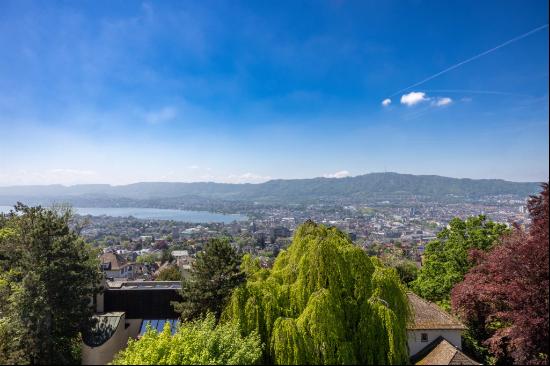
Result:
pixel 434 336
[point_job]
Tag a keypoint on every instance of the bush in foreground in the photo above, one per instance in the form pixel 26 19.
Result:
pixel 200 342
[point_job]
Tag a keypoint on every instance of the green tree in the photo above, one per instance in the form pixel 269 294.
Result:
pixel 147 258
pixel 446 259
pixel 170 273
pixel 200 342
pixel 407 271
pixel 48 276
pixel 325 301
pixel 166 256
pixel 214 274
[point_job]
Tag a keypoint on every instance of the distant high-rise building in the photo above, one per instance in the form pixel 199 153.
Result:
pixel 175 232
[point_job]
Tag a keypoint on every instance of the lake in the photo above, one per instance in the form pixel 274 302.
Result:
pixel 155 214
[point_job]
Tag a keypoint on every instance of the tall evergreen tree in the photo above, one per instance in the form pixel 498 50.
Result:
pixel 48 276
pixel 214 274
pixel 324 302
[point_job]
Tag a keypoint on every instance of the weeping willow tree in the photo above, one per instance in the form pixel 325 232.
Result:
pixel 325 301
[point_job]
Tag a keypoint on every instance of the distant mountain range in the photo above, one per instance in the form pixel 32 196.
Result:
pixel 351 189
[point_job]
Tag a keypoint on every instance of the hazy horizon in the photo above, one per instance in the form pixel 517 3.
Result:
pixel 245 92
pixel 326 177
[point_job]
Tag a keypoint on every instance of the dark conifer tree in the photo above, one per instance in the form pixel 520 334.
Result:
pixel 48 276
pixel 214 274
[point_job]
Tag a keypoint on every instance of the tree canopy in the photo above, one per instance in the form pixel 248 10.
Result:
pixel 214 274
pixel 446 259
pixel 170 273
pixel 48 275
pixel 323 302
pixel 504 298
pixel 200 342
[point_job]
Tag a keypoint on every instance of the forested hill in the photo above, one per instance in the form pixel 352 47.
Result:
pixel 359 188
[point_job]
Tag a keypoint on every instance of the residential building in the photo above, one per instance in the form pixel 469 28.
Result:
pixel 123 310
pixel 434 337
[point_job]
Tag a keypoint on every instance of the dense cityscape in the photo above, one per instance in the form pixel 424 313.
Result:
pixel 381 228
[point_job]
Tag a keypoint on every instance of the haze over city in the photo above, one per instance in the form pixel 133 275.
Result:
pixel 253 91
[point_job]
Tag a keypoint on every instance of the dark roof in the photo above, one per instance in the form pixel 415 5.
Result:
pixel 143 285
pixel 103 329
pixel 428 315
pixel 441 352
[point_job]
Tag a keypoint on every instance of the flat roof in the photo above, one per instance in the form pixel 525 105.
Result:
pixel 144 285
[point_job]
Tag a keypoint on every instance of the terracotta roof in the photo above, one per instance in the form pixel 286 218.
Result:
pixel 442 352
pixel 428 315
pixel 116 261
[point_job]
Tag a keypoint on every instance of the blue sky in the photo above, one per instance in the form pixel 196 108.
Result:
pixel 120 92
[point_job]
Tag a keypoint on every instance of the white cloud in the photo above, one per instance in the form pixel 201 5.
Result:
pixel 386 102
pixel 442 101
pixel 340 174
pixel 162 115
pixel 413 98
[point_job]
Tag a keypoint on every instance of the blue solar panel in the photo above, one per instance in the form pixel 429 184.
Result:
pixel 158 325
pixel 143 327
pixel 154 323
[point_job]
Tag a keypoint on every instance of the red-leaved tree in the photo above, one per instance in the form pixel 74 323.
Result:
pixel 504 298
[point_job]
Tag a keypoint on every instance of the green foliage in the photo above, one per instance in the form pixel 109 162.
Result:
pixel 170 273
pixel 214 274
pixel 199 342
pixel 446 259
pixel 48 276
pixel 324 302
pixel 407 270
pixel 472 346
pixel 147 258
pixel 166 256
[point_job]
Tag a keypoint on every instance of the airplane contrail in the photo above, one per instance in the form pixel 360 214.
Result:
pixel 468 91
pixel 472 58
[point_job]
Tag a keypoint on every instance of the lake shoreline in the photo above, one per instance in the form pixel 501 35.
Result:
pixel 145 213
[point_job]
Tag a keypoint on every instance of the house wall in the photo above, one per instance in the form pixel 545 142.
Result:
pixel 415 343
pixel 127 271
pixel 105 353
pixel 100 303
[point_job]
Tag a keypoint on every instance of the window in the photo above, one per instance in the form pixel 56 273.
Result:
pixel 423 337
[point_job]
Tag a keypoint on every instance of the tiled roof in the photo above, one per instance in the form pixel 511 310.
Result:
pixel 116 261
pixel 428 315
pixel 442 352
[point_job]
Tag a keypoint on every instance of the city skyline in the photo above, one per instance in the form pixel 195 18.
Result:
pixel 247 92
